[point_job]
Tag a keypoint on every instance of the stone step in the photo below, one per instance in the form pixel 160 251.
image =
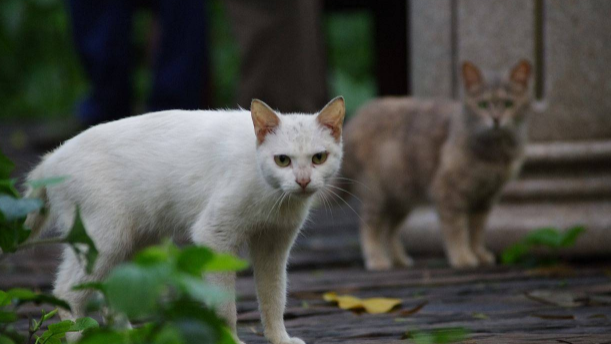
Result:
pixel 550 188
pixel 583 158
pixel 510 222
pixel 569 152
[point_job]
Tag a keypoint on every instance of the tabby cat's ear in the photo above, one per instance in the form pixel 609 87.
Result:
pixel 471 77
pixel 520 74
pixel 264 119
pixel 332 116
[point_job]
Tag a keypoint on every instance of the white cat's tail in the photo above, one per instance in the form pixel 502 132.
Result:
pixel 36 220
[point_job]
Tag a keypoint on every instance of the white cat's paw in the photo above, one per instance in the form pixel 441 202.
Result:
pixel 485 257
pixel 293 340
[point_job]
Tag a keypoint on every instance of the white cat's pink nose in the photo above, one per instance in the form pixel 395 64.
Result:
pixel 303 182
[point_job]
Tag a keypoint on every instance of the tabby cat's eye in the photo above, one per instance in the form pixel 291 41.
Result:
pixel 319 158
pixel 483 104
pixel 508 103
pixel 282 160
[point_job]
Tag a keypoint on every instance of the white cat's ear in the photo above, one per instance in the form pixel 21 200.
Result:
pixel 264 119
pixel 520 74
pixel 332 116
pixel 472 77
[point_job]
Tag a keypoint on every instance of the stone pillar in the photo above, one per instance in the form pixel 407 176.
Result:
pixel 577 71
pixel 431 37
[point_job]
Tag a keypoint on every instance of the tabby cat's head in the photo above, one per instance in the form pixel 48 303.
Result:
pixel 299 153
pixel 497 102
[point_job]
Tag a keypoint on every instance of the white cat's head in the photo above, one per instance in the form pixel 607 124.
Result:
pixel 299 153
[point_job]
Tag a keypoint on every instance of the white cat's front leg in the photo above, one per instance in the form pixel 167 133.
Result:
pixel 204 232
pixel 269 253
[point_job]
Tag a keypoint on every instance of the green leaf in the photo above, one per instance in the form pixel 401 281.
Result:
pixel 7 186
pixel 55 332
pixel 22 294
pixel 514 253
pixel 194 331
pixel 39 183
pixel 168 335
pixel 226 337
pixel 154 255
pixel 6 340
pixel 6 166
pixel 134 290
pixel 49 315
pixel 105 336
pixel 61 327
pixel 25 295
pixel 7 317
pixel 197 289
pixel 76 237
pixel 5 299
pixel 439 336
pixel 549 237
pixel 193 259
pixel 84 324
pixel 18 208
pixel 225 262
pixel 570 236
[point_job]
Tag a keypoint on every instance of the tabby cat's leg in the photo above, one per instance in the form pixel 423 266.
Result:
pixel 398 253
pixel 477 222
pixel 374 232
pixel 455 229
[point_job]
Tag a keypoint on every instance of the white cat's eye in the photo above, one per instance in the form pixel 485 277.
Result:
pixel 508 103
pixel 483 104
pixel 282 160
pixel 319 158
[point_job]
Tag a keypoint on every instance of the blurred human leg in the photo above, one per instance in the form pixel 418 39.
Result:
pixel 179 70
pixel 282 53
pixel 102 32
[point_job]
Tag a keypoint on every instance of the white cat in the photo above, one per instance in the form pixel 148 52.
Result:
pixel 212 174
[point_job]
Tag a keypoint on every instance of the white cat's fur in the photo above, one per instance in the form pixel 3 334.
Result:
pixel 210 174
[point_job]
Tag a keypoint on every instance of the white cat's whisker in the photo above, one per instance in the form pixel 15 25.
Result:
pixel 349 206
pixel 353 181
pixel 346 191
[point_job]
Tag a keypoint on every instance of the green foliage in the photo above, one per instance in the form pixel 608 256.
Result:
pixel 351 45
pixel 6 167
pixel 17 208
pixel 40 74
pixel 19 296
pixel 438 336
pixel 550 239
pixel 81 243
pixel 57 331
pixel 36 184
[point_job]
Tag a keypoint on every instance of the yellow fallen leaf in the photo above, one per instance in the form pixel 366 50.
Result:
pixel 380 305
pixel 330 296
pixel 373 306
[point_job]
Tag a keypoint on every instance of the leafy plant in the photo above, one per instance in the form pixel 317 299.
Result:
pixel 161 288
pixel 550 239
pixel 438 336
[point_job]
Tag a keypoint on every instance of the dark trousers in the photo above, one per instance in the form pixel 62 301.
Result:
pixel 103 35
pixel 282 51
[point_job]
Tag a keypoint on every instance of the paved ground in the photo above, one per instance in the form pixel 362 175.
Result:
pixel 570 304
